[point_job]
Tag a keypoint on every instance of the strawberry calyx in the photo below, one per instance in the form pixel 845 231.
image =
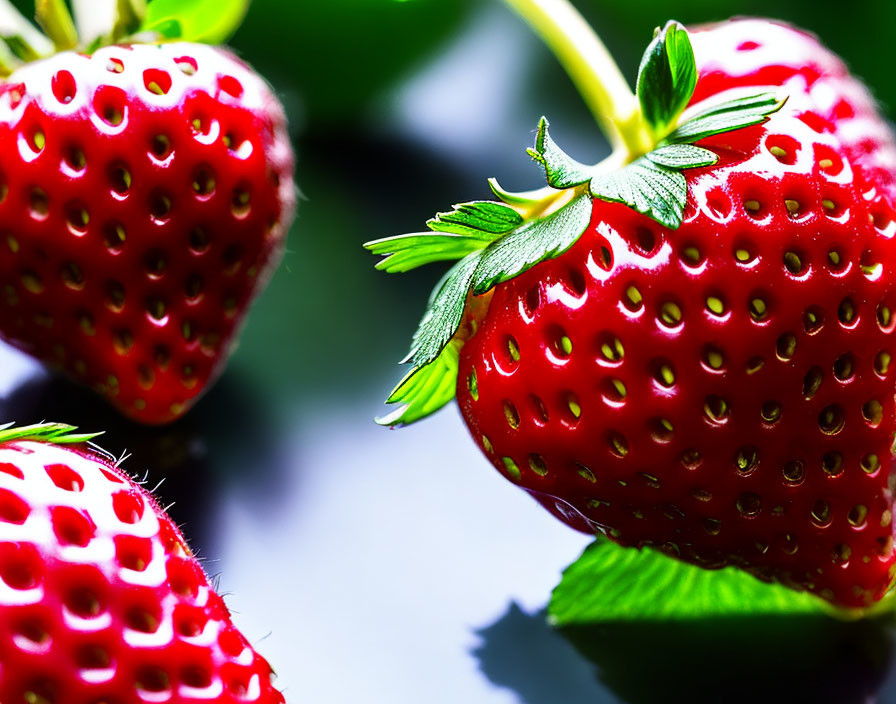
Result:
pixel 54 433
pixel 97 23
pixel 495 241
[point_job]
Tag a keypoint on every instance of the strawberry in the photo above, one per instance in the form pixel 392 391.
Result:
pixel 753 52
pixel 101 599
pixel 146 191
pixel 688 346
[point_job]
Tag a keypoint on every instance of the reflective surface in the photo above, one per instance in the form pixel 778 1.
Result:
pixel 374 566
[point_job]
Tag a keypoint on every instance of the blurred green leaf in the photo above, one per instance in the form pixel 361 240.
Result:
pixel 209 21
pixel 612 583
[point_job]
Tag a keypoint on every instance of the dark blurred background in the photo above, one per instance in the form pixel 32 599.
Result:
pixel 395 566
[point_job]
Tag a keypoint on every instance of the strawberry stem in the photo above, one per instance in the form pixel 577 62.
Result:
pixel 593 71
pixel 55 19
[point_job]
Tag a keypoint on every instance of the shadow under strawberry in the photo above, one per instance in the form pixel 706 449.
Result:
pixel 520 651
pixel 199 460
pixel 746 659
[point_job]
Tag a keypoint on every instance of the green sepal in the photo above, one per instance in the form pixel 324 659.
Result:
pixel 465 229
pixel 653 184
pixel 656 191
pixel 481 218
pixel 497 241
pixel 55 433
pixel 526 200
pixel 561 170
pixel 405 252
pixel 534 242
pixel 667 77
pixel 727 116
pixel 434 349
pixel 444 313
pixel 507 256
pixel 425 390
pixel 682 156
pixel 208 21
pixel 610 583
pixel 20 48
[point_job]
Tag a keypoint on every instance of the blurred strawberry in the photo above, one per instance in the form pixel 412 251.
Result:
pixel 101 599
pixel 145 193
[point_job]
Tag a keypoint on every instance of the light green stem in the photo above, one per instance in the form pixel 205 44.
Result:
pixel 592 69
pixel 55 19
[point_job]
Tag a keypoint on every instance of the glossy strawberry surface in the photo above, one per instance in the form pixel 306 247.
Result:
pixel 724 391
pixel 755 52
pixel 101 600
pixel 146 192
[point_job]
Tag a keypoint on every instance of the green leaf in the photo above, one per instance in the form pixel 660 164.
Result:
pixel 682 156
pixel 406 252
pixel 170 29
pixel 209 21
pixel 467 228
pixel 750 101
pixel 726 117
pixel 611 583
pixel 481 218
pixel 19 48
pixel 667 77
pixel 426 389
pixel 533 242
pixel 486 262
pixel 658 192
pixel 561 170
pixel 445 311
pixel 56 433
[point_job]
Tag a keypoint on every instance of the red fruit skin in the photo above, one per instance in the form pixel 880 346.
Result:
pixel 756 52
pixel 609 445
pixel 137 227
pixel 101 600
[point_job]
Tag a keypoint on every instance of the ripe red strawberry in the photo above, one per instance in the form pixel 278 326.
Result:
pixel 713 381
pixel 144 196
pixel 755 52
pixel 101 599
